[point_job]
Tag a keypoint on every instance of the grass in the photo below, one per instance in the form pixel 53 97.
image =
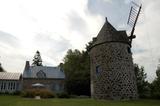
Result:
pixel 6 100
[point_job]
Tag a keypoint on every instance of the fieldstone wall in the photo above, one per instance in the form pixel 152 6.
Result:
pixel 112 72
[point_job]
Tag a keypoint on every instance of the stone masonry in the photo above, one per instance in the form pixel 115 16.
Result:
pixel 112 71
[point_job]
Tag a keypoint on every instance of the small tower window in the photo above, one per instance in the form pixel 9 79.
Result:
pixel 98 70
pixel 129 49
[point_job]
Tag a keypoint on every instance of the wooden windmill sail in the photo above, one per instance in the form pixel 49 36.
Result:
pixel 132 19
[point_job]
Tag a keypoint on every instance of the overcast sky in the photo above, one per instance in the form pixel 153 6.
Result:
pixel 54 26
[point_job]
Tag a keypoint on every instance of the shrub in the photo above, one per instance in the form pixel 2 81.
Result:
pixel 63 95
pixel 155 95
pixel 6 93
pixel 16 93
pixel 46 94
pixel 10 93
pixel 43 93
pixel 28 93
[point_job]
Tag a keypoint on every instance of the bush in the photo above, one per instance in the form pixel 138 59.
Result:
pixel 5 93
pixel 46 94
pixel 16 93
pixel 28 93
pixel 43 93
pixel 155 95
pixel 63 95
pixel 10 93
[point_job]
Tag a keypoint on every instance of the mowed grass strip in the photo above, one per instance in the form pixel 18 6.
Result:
pixel 6 100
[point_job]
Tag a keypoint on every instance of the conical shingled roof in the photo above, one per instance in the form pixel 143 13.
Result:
pixel 109 34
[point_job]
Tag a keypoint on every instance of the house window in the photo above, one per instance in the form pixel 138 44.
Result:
pixel 2 86
pixel 129 49
pixel 53 86
pixel 14 85
pixel 17 85
pixel 57 87
pixel 41 74
pixel 11 85
pixel 8 85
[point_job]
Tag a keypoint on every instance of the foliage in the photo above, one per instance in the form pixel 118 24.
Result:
pixel 89 45
pixel 63 95
pixel 43 93
pixel 1 68
pixel 10 93
pixel 158 72
pixel 155 87
pixel 77 71
pixel 142 85
pixel 28 93
pixel 37 61
pixel 16 93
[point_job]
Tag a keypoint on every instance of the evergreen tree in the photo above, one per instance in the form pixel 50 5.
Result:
pixel 158 72
pixel 156 85
pixel 142 85
pixel 37 60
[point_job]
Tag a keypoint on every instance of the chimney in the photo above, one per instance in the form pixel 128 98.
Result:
pixel 27 66
pixel 106 19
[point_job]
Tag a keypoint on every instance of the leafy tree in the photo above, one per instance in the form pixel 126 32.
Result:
pixel 1 69
pixel 155 88
pixel 158 72
pixel 37 60
pixel 142 85
pixel 76 67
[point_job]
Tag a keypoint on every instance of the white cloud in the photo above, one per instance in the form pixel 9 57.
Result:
pixel 147 32
pixel 55 26
pixel 45 25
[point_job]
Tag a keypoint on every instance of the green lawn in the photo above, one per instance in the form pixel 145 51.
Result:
pixel 19 101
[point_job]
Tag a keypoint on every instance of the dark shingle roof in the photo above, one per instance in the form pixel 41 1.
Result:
pixel 109 34
pixel 50 72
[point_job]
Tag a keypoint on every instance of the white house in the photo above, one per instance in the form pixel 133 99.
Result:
pixel 10 82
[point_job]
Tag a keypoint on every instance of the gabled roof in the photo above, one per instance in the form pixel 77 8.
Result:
pixel 50 72
pixel 9 76
pixel 109 34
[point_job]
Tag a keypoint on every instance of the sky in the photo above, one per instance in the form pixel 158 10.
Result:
pixel 54 26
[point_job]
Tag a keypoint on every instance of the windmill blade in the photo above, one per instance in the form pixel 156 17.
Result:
pixel 133 15
pixel 132 19
pixel 135 4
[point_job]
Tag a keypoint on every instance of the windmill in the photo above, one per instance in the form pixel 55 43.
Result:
pixel 132 19
pixel 112 69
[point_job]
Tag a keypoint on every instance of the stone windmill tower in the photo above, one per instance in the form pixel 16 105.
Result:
pixel 112 70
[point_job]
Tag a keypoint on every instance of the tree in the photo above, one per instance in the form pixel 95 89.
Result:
pixel 37 60
pixel 155 88
pixel 1 69
pixel 76 68
pixel 158 72
pixel 142 85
